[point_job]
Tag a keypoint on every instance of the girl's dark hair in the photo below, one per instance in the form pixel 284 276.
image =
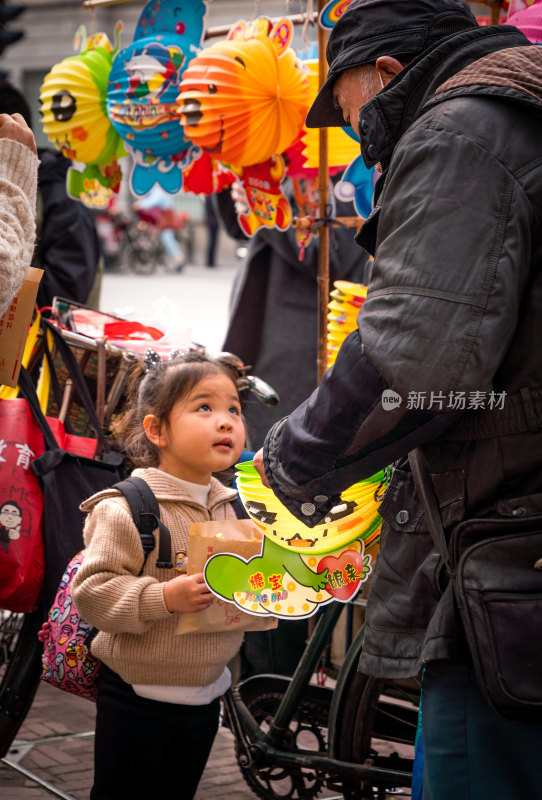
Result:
pixel 155 392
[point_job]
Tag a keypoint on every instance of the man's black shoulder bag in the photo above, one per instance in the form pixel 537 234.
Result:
pixel 495 567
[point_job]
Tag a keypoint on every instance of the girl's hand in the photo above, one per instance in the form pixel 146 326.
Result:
pixel 187 593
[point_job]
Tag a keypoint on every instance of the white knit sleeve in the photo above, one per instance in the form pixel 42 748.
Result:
pixel 18 186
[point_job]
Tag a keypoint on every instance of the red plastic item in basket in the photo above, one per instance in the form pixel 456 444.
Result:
pixel 132 335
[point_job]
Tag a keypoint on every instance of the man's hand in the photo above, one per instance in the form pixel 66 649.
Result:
pixel 258 466
pixel 14 127
pixel 187 593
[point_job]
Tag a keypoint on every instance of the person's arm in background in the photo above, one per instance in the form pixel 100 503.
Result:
pixel 18 181
pixel 68 248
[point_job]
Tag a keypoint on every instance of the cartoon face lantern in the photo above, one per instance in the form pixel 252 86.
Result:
pixel 355 517
pixel 245 99
pixel 299 568
pixel 72 99
pixel 143 86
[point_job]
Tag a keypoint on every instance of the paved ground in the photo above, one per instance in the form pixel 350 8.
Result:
pixel 56 744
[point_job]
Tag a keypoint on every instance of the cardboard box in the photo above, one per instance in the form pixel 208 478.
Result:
pixel 14 326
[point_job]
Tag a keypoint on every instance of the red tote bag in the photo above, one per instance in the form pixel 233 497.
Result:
pixel 21 508
pixel 21 501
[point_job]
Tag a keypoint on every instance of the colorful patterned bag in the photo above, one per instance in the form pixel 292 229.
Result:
pixel 67 661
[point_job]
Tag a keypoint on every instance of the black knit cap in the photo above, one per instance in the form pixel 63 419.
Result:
pixel 369 29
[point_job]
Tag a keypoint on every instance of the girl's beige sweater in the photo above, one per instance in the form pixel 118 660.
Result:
pixel 137 634
pixel 18 186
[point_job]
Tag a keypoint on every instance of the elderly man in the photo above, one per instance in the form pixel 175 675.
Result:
pixel 448 351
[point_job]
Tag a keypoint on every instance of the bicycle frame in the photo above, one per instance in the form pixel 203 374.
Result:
pixel 266 748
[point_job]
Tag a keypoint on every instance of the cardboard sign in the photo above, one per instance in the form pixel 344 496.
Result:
pixel 14 328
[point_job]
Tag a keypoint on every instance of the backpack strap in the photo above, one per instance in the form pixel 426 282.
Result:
pixel 146 515
pixel 239 508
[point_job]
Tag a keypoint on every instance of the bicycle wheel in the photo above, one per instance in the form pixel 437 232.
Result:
pixel 378 728
pixel 307 732
pixel 20 669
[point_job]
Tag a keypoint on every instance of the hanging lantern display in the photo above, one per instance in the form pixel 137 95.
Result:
pixel 142 91
pixel 73 114
pixel 245 99
pixel 300 568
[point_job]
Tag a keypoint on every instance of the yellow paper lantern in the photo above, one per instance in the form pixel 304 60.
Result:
pixel 72 99
pixel 344 305
pixel 356 517
pixel 341 148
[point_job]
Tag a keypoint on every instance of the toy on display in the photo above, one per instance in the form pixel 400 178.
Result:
pixel 300 568
pixel 206 175
pixel 143 87
pixel 344 305
pixel 357 183
pixel 244 100
pixel 332 11
pixel 74 117
pixel 267 205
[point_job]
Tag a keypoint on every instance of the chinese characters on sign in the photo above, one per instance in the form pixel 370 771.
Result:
pixel 456 401
pixel 25 453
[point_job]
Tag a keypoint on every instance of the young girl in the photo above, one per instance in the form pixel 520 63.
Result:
pixel 158 692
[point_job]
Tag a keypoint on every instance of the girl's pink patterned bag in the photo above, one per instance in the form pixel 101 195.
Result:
pixel 67 661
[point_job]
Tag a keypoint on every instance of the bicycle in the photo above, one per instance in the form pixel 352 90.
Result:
pixel 132 243
pixel 292 737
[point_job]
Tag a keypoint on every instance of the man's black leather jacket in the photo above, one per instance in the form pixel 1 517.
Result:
pixel 451 331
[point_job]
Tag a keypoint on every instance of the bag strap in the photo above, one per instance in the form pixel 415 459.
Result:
pixel 238 507
pixel 28 391
pixel 146 515
pixel 426 493
pixel 79 382
pixel 55 386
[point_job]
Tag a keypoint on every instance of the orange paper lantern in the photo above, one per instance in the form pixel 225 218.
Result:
pixel 245 99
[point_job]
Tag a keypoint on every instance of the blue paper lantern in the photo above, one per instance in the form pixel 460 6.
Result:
pixel 143 88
